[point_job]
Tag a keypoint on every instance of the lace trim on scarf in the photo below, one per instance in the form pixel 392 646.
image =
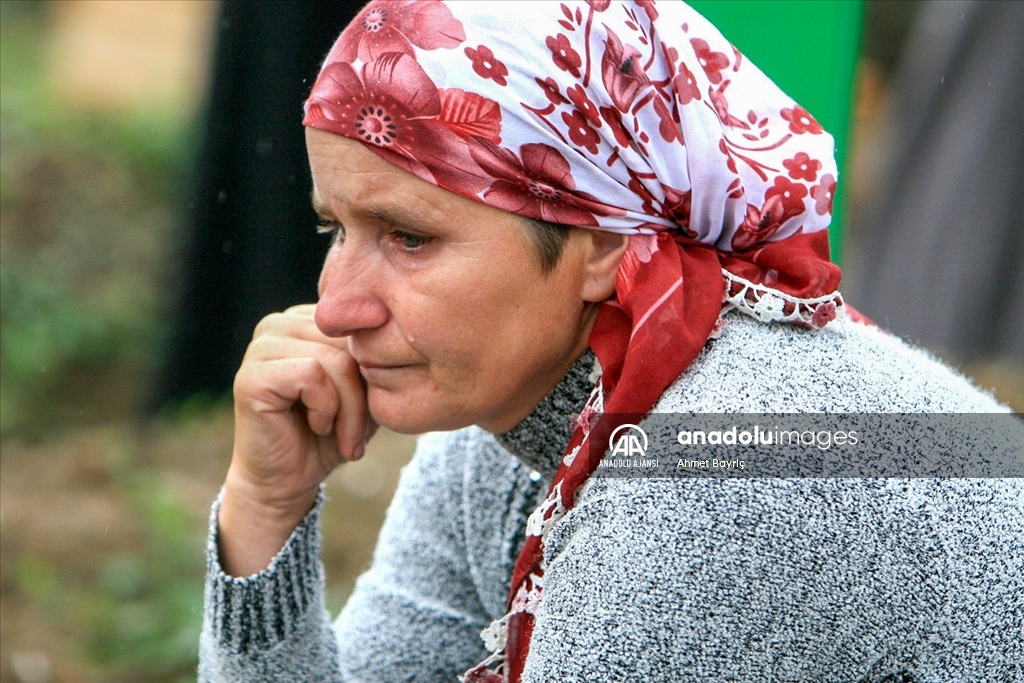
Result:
pixel 540 523
pixel 495 636
pixel 770 305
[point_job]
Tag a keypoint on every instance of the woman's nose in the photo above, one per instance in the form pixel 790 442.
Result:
pixel 348 301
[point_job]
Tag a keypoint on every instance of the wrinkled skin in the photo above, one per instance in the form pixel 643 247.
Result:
pixel 434 313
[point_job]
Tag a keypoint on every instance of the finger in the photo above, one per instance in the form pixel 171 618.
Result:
pixel 273 347
pixel 278 365
pixel 321 399
pixel 274 387
pixel 297 323
pixel 302 310
pixel 351 424
pixel 293 334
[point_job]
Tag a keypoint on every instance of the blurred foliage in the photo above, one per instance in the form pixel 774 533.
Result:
pixel 86 215
pixel 134 614
pixel 88 206
pixel 144 610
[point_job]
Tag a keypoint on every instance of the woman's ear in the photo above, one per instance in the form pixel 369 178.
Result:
pixel 604 251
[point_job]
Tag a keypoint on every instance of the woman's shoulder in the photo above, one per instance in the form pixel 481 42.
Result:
pixel 844 367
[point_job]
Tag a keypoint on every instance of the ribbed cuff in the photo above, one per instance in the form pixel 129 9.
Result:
pixel 258 612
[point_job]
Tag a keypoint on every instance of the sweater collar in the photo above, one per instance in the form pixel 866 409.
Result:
pixel 539 441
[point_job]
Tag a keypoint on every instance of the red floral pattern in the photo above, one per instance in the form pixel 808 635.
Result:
pixel 579 97
pixel 802 167
pixel 710 60
pixel 564 56
pixel 648 8
pixel 685 86
pixel 638 187
pixel 397 109
pixel 823 193
pixel 789 193
pixel 800 120
pixel 730 163
pixel 383 27
pixel 537 183
pixel 721 105
pixel 677 206
pixel 641 118
pixel 667 125
pixel 486 66
pixel 622 72
pixel 580 131
pixel 823 315
pixel 614 120
pixel 760 224
pixel 648 94
pixel 550 87
pixel 642 249
pixel 470 115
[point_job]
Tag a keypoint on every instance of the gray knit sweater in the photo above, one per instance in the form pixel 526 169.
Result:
pixel 758 580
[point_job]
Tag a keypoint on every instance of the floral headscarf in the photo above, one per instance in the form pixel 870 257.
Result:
pixel 632 117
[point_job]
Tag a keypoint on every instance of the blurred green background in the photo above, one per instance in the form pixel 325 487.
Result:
pixel 102 508
pixel 101 545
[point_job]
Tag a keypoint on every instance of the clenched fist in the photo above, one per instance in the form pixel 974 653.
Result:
pixel 300 411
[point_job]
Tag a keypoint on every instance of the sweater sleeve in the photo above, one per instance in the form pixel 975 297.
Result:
pixel 415 615
pixel 272 626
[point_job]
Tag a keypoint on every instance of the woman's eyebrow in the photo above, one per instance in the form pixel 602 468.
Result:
pixel 319 206
pixel 385 211
pixel 399 215
pixel 389 215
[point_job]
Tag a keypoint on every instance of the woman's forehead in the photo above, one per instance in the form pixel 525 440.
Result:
pixel 350 179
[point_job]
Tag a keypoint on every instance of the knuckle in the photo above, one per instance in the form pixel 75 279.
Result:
pixel 312 367
pixel 304 310
pixel 244 383
pixel 259 349
pixel 267 325
pixel 311 371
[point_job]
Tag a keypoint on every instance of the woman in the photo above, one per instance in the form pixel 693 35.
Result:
pixel 537 237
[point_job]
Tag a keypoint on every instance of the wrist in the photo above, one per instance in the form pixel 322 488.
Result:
pixel 270 505
pixel 251 531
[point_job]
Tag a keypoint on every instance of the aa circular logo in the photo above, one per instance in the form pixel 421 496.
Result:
pixel 627 441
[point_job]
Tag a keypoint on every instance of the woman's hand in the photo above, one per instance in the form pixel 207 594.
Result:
pixel 300 410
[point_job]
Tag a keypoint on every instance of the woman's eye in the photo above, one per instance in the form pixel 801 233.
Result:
pixel 410 241
pixel 333 228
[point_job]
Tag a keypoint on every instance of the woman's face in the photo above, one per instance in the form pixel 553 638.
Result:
pixel 443 300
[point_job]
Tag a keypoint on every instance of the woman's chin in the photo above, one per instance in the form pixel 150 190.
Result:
pixel 406 413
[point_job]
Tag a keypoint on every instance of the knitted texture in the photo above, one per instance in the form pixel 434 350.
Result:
pixel 765 580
